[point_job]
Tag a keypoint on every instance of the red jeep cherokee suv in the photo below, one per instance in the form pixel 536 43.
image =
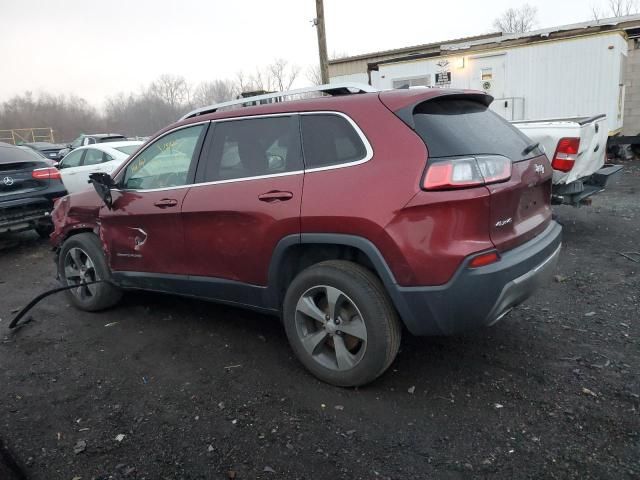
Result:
pixel 349 216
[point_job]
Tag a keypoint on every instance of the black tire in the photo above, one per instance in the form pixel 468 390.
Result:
pixel 95 297
pixel 44 230
pixel 364 298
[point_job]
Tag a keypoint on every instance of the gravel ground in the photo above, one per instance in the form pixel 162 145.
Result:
pixel 169 388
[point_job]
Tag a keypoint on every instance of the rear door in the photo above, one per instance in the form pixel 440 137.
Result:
pixel 247 198
pixel 459 126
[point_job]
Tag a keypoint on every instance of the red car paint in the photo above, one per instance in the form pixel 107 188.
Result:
pixel 226 231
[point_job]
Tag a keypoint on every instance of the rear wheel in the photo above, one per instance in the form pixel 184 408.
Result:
pixel 341 324
pixel 81 262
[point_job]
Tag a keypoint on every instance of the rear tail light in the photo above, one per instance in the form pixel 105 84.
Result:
pixel 566 154
pixel 466 172
pixel 484 259
pixel 49 173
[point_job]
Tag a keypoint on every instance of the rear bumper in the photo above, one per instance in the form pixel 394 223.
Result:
pixel 479 297
pixel 27 213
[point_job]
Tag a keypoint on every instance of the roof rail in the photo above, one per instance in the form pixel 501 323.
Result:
pixel 330 89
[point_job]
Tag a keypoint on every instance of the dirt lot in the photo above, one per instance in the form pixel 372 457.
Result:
pixel 200 391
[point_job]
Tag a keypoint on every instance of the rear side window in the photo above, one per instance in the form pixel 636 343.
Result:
pixel 92 157
pixel 458 127
pixel 253 148
pixel 330 140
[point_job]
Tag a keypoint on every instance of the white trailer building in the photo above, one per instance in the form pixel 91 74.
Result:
pixel 570 71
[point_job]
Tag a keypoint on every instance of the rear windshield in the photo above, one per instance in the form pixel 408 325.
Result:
pixel 12 154
pixel 453 127
pixel 129 149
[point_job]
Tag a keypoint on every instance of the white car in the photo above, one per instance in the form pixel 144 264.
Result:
pixel 76 167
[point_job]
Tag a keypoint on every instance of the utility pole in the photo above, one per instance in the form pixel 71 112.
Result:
pixel 322 42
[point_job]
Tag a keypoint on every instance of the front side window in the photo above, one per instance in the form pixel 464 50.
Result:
pixel 254 147
pixel 77 142
pixel 329 140
pixel 166 162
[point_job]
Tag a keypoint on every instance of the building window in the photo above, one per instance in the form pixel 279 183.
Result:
pixel 424 81
pixel 486 74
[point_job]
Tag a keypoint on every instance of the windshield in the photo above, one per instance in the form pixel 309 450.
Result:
pixel 128 149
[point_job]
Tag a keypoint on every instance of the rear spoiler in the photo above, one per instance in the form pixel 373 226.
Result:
pixel 403 103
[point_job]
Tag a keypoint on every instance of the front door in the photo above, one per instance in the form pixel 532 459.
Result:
pixel 253 171
pixel 143 232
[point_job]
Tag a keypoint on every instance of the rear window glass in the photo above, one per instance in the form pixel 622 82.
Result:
pixel 128 149
pixel 330 140
pixel 458 127
pixel 11 154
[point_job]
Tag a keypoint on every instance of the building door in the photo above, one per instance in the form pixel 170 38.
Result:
pixel 488 75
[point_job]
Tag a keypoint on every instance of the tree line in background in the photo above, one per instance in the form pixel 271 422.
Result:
pixel 525 18
pixel 157 105
pixel 167 98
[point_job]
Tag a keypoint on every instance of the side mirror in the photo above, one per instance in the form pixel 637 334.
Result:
pixel 103 183
pixel 69 146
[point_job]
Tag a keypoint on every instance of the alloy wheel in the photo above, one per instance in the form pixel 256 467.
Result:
pixel 79 270
pixel 331 328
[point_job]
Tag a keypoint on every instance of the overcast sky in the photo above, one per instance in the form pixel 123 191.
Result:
pixel 98 48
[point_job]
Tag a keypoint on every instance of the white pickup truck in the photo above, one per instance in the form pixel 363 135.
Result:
pixel 577 150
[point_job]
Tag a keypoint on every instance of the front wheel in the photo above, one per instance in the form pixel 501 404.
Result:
pixel 341 323
pixel 81 261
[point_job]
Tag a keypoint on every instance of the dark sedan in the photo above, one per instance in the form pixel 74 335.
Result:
pixel 48 150
pixel 28 186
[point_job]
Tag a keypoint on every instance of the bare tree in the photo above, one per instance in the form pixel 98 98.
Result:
pixel 283 74
pixel 173 89
pixel 517 20
pixel 67 115
pixel 215 91
pixel 278 75
pixel 616 8
pixel 313 75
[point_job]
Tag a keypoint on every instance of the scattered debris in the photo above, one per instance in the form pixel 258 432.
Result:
pixel 589 314
pixel 498 406
pixel 350 432
pixel 269 469
pixel 586 391
pixel 412 390
pixel 210 448
pixel 111 324
pixel 232 366
pixel 119 437
pixel 560 278
pixel 633 256
pixel 80 447
pixel 339 407
pixel 221 405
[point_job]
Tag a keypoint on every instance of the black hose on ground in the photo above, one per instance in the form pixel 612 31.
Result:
pixel 14 323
